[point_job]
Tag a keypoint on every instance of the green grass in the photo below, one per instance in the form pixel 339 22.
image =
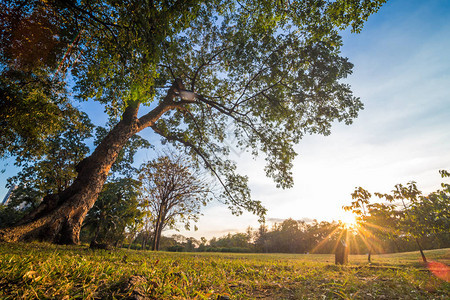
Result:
pixel 43 271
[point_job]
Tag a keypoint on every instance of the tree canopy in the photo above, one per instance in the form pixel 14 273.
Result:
pixel 264 72
pixel 257 72
pixel 33 96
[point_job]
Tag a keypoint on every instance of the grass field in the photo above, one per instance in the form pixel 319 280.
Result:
pixel 43 271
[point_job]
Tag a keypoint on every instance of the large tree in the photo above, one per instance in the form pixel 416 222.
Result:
pixel 257 72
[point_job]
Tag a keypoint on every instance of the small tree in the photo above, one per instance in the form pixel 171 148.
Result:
pixel 358 207
pixel 432 213
pixel 422 215
pixel 408 195
pixel 172 193
pixel 383 221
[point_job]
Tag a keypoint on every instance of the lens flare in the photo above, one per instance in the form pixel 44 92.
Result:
pixel 349 220
pixel 439 270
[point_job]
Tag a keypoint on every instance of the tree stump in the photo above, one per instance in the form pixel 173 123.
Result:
pixel 341 253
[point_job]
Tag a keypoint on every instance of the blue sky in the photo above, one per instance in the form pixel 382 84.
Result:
pixel 402 75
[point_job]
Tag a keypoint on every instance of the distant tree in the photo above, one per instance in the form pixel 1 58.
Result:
pixel 323 236
pixel 290 236
pixel 287 237
pixel 191 244
pixel 134 228
pixel 146 232
pixel 172 193
pixel 261 238
pixel 202 246
pixel 170 244
pixel 236 240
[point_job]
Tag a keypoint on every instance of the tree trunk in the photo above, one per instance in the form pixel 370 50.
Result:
pixel 59 217
pixel 342 250
pixel 144 241
pixel 133 237
pixel 424 259
pixel 369 248
pixel 155 244
pixel 157 233
pixel 397 249
pixel 159 224
pixel 97 232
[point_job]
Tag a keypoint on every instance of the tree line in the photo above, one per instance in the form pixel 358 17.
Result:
pixel 291 236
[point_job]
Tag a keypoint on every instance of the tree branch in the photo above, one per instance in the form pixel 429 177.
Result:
pixel 205 63
pixel 165 105
pixel 199 153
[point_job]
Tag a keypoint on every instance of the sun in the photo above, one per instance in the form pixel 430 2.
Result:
pixel 349 220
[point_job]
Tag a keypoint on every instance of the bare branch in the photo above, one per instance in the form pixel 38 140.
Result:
pixel 199 153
